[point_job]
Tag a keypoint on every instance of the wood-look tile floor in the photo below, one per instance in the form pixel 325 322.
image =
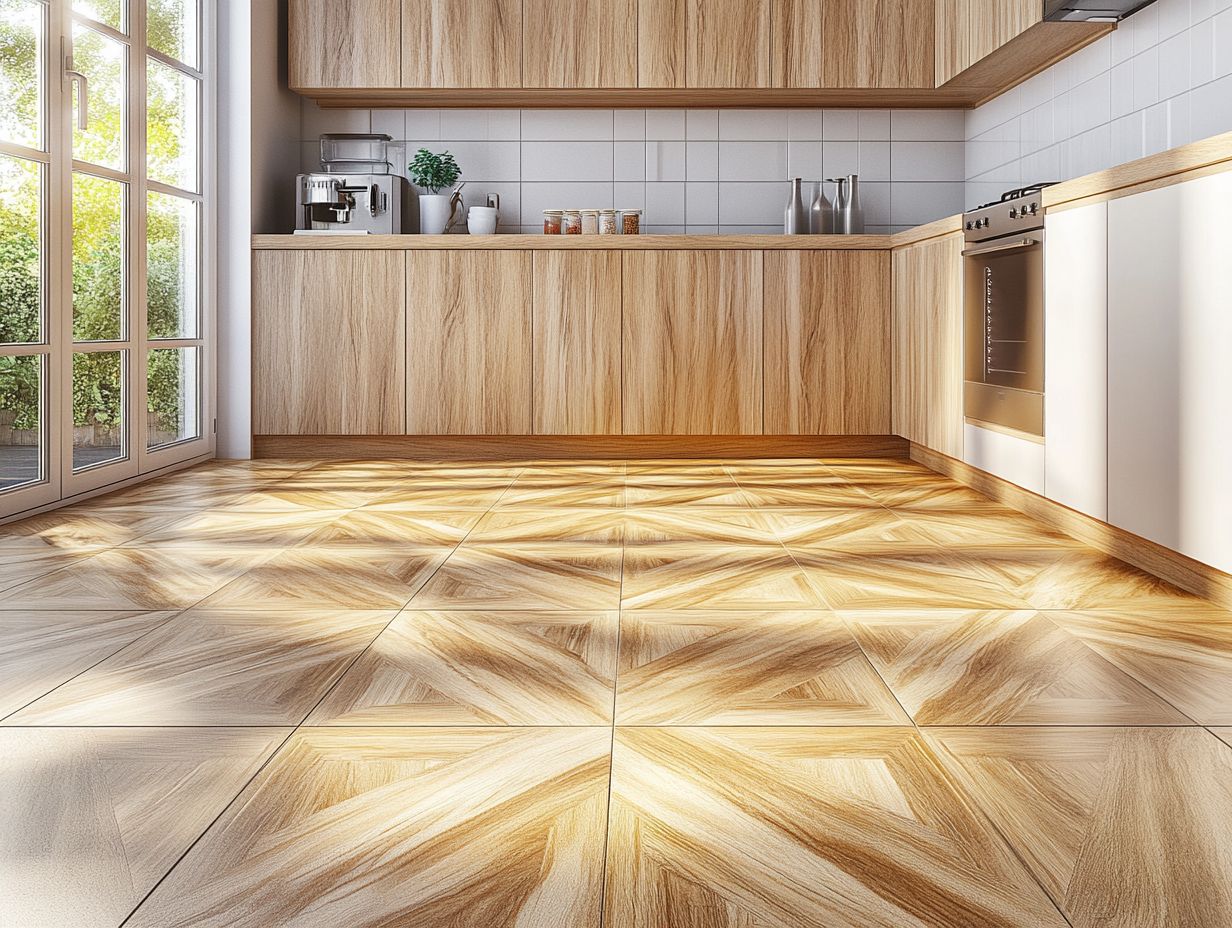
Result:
pixel 644 694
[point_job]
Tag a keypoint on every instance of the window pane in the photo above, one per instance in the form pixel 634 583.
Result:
pixel 171 127
pixel 21 421
pixel 171 27
pixel 98 408
pixel 172 396
pixel 98 259
pixel 21 72
pixel 171 290
pixel 101 60
pixel 108 12
pixel 21 284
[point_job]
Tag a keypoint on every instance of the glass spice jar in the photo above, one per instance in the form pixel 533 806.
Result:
pixel 590 222
pixel 573 222
pixel 607 222
pixel 552 219
pixel 631 221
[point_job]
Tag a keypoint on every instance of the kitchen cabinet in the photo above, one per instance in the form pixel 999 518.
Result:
pixel 928 345
pixel 461 43
pixel 661 26
pixel 1169 377
pixel 968 31
pixel 727 43
pixel 1076 359
pixel 327 343
pixel 579 43
pixel 858 44
pixel 827 334
pixel 692 342
pixel 343 43
pixel 576 339
pixel 468 351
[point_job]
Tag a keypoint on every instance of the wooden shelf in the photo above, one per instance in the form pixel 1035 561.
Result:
pixel 572 242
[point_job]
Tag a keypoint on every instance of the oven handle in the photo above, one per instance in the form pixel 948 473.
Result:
pixel 1007 246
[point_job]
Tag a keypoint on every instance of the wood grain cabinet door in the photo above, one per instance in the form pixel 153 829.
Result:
pixel 579 43
pixel 344 43
pixel 328 341
pixel 928 344
pixel 468 343
pixel 577 342
pixel 692 342
pixel 827 343
pixel 727 43
pixel 884 44
pixel 661 43
pixel 462 43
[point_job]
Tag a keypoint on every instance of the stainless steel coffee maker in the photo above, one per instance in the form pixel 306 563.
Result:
pixel 355 190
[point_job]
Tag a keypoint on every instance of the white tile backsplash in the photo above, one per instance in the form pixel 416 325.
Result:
pixel 1162 79
pixel 698 169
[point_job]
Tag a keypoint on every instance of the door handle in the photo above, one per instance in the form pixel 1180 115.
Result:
pixel 1005 246
pixel 83 88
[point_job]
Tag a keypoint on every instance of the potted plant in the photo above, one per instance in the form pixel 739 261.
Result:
pixel 434 173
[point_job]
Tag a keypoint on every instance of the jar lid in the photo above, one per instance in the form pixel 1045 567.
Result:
pixel 553 212
pixel 631 211
pixel 588 212
pixel 602 211
pixel 571 210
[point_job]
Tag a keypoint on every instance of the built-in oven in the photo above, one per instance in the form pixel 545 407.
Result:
pixel 1003 325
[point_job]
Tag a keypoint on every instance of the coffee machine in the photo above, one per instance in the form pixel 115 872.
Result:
pixel 355 191
pixel 379 204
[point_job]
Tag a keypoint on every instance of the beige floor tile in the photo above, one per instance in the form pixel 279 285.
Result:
pixel 517 525
pixel 371 828
pixel 601 495
pixel 41 650
pixel 225 528
pixel 747 668
pixel 80 529
pixel 481 668
pixel 1125 827
pixel 1183 653
pixel 572 578
pixel 873 532
pixel 666 577
pixel 337 577
pixel 1001 668
pixel 655 495
pixel 377 528
pixel 844 828
pixel 214 668
pixel 93 818
pixel 134 578
pixel 21 566
pixel 684 526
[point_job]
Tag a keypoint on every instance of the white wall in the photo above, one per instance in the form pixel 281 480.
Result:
pixel 1162 79
pixel 703 171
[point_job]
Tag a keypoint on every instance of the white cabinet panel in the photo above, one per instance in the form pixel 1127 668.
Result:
pixel 1017 460
pixel 1076 359
pixel 1170 367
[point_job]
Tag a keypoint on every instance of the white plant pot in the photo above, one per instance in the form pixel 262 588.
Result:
pixel 433 213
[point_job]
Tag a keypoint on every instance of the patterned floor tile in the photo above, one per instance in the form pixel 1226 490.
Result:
pixel 573 578
pixel 667 577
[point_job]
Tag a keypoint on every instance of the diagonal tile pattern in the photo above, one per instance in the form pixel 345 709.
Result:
pixel 647 693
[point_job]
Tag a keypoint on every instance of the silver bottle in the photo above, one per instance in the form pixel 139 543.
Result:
pixel 795 217
pixel 840 204
pixel 821 213
pixel 853 214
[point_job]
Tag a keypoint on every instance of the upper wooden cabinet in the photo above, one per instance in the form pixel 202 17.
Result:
pixel 710 53
pixel 727 43
pixel 692 343
pixel 461 43
pixel 579 43
pixel 344 43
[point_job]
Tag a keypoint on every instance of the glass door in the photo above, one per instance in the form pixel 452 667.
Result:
pixel 103 322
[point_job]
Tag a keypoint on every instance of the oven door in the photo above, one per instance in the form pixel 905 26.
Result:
pixel 1004 332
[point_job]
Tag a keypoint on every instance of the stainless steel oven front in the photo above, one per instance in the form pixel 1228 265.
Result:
pixel 1004 318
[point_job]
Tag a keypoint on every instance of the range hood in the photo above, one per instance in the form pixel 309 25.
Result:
pixel 1091 11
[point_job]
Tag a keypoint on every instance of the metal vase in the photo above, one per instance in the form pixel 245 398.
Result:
pixel 840 204
pixel 796 216
pixel 821 213
pixel 853 214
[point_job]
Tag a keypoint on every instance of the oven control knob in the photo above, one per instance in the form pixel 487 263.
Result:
pixel 1034 208
pixel 970 225
pixel 1013 212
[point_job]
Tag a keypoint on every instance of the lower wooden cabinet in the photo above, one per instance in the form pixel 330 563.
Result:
pixel 692 343
pixel 577 343
pixel 928 345
pixel 328 337
pixel 827 343
pixel 468 336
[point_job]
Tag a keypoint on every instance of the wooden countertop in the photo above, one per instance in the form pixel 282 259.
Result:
pixel 572 242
